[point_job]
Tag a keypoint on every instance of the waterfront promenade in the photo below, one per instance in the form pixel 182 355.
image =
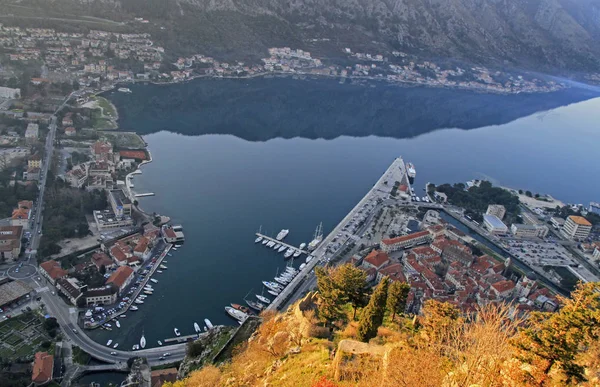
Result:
pixel 396 171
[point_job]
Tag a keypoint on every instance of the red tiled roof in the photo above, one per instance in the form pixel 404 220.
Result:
pixel 377 258
pixel 28 204
pixel 42 368
pixel 405 238
pixel 53 269
pixel 142 245
pixel 120 276
pixel 20 213
pixel 133 154
pixel 102 147
pixel 394 271
pixel 101 259
pixel 503 286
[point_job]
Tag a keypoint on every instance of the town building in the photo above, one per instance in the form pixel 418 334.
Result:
pixel 557 222
pixel 22 214
pixel 32 133
pixel 105 295
pixel 77 176
pixel 142 248
pixel 529 217
pixel 120 203
pixel 576 227
pixel 394 272
pixel 10 242
pixel 12 292
pixel 32 174
pixel 406 241
pixel 100 259
pixel 503 288
pixel 172 234
pixel 460 254
pixel 34 161
pixel 70 131
pixel 43 366
pixel 494 225
pixel 529 230
pixel 497 210
pixel 9 93
pixel 121 278
pixel 52 271
pixel 376 259
pixel 160 377
pixel 70 288
pixel 106 220
pixel 596 253
pixel 102 150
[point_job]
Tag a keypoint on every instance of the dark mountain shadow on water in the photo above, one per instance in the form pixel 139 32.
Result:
pixel 260 109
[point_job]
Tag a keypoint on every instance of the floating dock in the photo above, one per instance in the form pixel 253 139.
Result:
pixel 141 195
pixel 282 243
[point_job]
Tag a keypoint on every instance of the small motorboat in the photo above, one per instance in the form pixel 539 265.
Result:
pixel 159 342
pixel 208 323
pixel 117 323
pixel 243 308
pixel 108 343
pixel 197 327
pixel 263 299
pixel 116 345
pixel 177 333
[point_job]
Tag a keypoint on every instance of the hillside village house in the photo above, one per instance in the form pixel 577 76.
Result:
pixel 105 295
pixel 52 271
pixel 121 278
pixel 42 371
pixel 10 242
pixel 22 214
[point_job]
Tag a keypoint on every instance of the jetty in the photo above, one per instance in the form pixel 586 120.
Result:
pixel 141 195
pixel 183 339
pixel 282 243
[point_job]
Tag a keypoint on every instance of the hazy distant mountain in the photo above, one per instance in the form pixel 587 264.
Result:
pixel 548 34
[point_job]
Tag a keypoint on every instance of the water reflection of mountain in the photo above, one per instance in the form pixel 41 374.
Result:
pixel 260 109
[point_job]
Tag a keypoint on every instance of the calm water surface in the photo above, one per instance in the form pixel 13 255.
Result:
pixel 221 188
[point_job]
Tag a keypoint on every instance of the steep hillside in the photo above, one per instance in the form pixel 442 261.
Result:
pixel 549 34
pixel 440 347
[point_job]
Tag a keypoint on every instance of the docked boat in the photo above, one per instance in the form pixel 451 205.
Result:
pixel 276 246
pixel 263 299
pixel 159 342
pixel 273 286
pixel 108 343
pixel 154 280
pixel 309 258
pixel 258 239
pixel 209 325
pixel 282 234
pixel 318 237
pixel 143 341
pixel 124 90
pixel 411 171
pixel 118 324
pixel 169 254
pixel 163 267
pixel 159 271
pixel 282 281
pixel 134 347
pixel 255 305
pixel 297 253
pixel 197 327
pixel 281 249
pixel 242 308
pixel 134 308
pixel 177 333
pixel 271 244
pixel 265 241
pixel 289 252
pixel 302 266
pixel 302 246
pixel 107 325
pixel 123 316
pixel 273 292
pixel 116 345
pixel 138 301
pixel 174 248
pixel 236 314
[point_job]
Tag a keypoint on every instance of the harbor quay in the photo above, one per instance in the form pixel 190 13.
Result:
pixel 380 191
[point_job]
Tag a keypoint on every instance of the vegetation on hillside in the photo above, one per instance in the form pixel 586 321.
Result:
pixel 475 200
pixel 440 347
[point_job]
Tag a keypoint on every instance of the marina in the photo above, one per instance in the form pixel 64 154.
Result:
pixel 284 246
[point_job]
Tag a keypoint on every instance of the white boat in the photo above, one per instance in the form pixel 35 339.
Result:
pixel 265 241
pixel 197 327
pixel 270 244
pixel 133 307
pixel 236 314
pixel 273 286
pixel 116 345
pixel 309 258
pixel 281 249
pixel 159 342
pixel 208 323
pixel 143 341
pixel 174 248
pixel 108 343
pixel 124 90
pixel 297 253
pixel 170 255
pixel 263 299
pixel 273 292
pixel 411 171
pixel 302 266
pixel 163 267
pixel 318 237
pixel 282 234
pixel 138 301
pixel 289 253
pixel 282 281
pixel 148 292
pixel 302 246
pixel 258 239
pixel 133 347
pixel 123 316
pixel 154 280
pixel 107 325
pixel 177 333
pixel 159 271
pixel 118 324
pixel 276 246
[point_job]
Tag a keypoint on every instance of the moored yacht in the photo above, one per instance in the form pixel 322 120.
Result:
pixel 282 234
pixel 302 246
pixel 236 314
pixel 273 286
pixel 258 239
pixel 255 305
pixel 263 299
pixel 197 327
pixel 297 253
pixel 281 249
pixel 108 343
pixel 273 292
pixel 289 252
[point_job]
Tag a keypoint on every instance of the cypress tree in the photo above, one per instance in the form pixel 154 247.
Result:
pixel 397 295
pixel 372 316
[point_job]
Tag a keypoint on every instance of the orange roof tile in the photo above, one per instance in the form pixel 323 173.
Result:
pixel 580 220
pixel 42 368
pixel 120 276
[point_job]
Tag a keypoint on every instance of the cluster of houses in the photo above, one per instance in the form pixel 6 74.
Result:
pixel 438 264
pixel 119 259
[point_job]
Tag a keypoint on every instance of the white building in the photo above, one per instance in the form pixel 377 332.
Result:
pixel 529 230
pixel 494 225
pixel 32 132
pixel 557 223
pixel 497 210
pixel 8 93
pixel 576 227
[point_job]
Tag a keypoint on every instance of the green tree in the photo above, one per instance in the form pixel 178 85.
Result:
pixel 439 322
pixel 372 316
pixel 528 193
pixel 396 299
pixel 555 340
pixel 352 283
pixel 331 298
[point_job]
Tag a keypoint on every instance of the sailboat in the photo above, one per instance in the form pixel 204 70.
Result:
pixel 143 340
pixel 262 298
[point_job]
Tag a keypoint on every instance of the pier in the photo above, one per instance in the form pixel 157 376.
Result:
pixel 141 195
pixel 281 243
pixel 395 172
pixel 183 339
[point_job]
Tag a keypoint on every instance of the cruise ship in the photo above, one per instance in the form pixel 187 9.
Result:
pixel 411 171
pixel 282 234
